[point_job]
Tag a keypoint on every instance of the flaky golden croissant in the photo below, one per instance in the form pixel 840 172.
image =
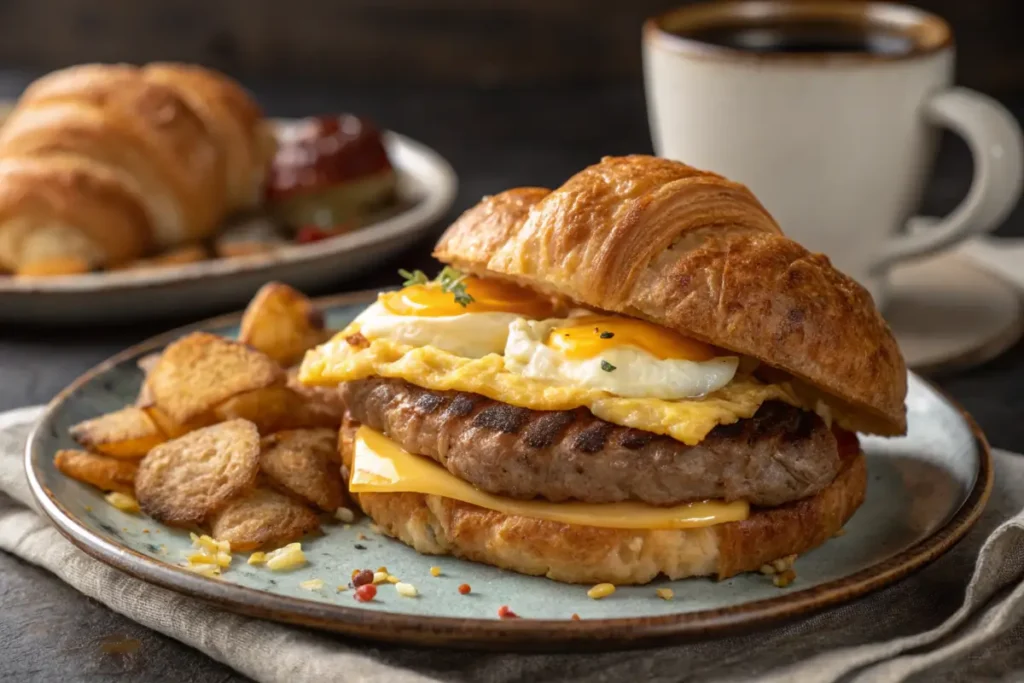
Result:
pixel 695 252
pixel 101 164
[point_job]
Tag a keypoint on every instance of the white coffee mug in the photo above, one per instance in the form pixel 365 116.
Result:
pixel 836 144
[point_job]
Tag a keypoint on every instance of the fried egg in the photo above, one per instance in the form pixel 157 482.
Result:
pixel 626 357
pixel 427 315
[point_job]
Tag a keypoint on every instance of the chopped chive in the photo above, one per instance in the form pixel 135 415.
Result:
pixel 606 366
pixel 452 282
pixel 416 277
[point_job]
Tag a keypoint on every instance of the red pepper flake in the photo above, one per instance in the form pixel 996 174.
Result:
pixel 575 617
pixel 364 577
pixel 464 588
pixel 505 613
pixel 366 592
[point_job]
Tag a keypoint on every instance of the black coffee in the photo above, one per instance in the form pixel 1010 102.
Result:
pixel 797 37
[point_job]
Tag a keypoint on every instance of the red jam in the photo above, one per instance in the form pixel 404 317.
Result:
pixel 318 152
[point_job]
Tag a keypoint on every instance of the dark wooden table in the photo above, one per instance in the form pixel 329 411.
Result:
pixel 495 140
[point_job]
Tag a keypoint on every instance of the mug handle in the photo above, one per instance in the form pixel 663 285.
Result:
pixel 996 144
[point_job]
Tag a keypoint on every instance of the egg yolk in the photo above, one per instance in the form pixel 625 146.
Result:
pixel 589 336
pixel 488 296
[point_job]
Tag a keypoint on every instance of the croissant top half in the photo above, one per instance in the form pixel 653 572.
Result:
pixel 695 252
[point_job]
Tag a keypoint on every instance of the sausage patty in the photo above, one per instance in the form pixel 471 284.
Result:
pixel 779 455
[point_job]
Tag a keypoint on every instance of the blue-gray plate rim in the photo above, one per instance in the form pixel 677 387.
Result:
pixel 631 618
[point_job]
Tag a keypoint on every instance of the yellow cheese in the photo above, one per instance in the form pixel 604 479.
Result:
pixel 688 421
pixel 379 465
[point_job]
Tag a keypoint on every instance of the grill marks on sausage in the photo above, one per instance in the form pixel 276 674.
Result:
pixel 779 455
pixel 462 405
pixel 428 403
pixel 634 439
pixel 540 432
pixel 592 439
pixel 543 431
pixel 502 417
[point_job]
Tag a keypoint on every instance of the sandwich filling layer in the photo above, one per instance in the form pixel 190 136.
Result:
pixel 780 454
pixel 379 465
pixel 350 356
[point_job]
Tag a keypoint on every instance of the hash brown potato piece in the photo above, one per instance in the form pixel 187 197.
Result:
pixel 126 433
pixel 185 481
pixel 101 471
pixel 282 323
pixel 329 399
pixel 263 517
pixel 146 364
pixel 301 461
pixel 276 408
pixel 201 370
pixel 172 429
pixel 145 396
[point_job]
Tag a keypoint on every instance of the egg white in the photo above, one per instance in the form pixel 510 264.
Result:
pixel 470 335
pixel 636 373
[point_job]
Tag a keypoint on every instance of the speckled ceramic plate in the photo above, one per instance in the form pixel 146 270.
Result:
pixel 924 493
pixel 426 189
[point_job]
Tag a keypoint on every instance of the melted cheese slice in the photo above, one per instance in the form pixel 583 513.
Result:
pixel 686 420
pixel 379 465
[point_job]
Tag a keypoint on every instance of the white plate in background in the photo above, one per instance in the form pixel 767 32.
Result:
pixel 426 186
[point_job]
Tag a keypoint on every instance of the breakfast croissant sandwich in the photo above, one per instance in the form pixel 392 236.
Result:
pixel 635 374
pixel 101 164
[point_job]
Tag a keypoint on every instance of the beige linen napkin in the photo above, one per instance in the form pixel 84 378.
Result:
pixel 923 628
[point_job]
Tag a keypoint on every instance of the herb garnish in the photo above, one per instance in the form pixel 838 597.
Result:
pixel 416 277
pixel 451 281
pixel 607 335
pixel 606 366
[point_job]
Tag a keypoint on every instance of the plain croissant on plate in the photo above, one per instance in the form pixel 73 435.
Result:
pixel 101 164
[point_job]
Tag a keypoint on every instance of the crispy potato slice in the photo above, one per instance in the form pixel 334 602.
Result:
pixel 328 398
pixel 109 474
pixel 125 433
pixel 172 429
pixel 301 461
pixel 145 397
pixel 282 323
pixel 187 480
pixel 263 517
pixel 275 408
pixel 146 364
pixel 201 370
